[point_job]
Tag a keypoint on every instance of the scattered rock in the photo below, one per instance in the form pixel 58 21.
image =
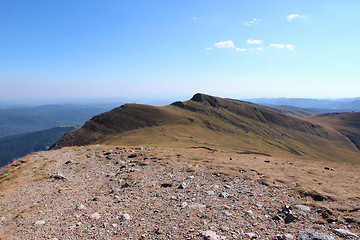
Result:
pixel 224 195
pixel 116 190
pixel 284 237
pixel 210 193
pixel 197 206
pixel 224 228
pixel 39 222
pixel 166 185
pixel 345 233
pixel 302 208
pixel 314 236
pixel 124 217
pixel 182 185
pixel 95 216
pixel 210 235
pixel 80 207
pixel 251 235
pixel 58 177
pixel 249 213
pixel 289 218
pixel 286 210
pixel 277 218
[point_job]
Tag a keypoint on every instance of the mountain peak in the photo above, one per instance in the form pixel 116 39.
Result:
pixel 205 99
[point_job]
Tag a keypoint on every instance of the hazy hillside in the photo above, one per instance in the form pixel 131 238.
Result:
pixel 18 120
pixel 317 105
pixel 292 111
pixel 16 146
pixel 210 121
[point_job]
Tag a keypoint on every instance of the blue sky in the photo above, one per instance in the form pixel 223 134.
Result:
pixel 148 50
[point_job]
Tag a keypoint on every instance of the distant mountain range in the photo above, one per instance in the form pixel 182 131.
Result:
pixel 317 105
pixel 16 120
pixel 17 146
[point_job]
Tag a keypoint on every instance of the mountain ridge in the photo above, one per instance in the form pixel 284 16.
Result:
pixel 213 121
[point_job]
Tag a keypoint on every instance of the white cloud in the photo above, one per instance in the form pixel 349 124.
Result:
pixel 280 45
pixel 251 22
pixel 195 18
pixel 252 41
pixel 225 44
pixel 209 48
pixel 259 48
pixel 291 17
pixel 241 49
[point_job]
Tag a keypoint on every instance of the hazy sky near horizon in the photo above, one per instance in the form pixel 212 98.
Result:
pixel 172 49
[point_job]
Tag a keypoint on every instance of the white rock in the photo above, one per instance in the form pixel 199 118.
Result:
pixel 224 195
pixel 124 217
pixel 95 216
pixel 116 190
pixel 249 213
pixel 197 206
pixel 39 222
pixel 345 233
pixel 284 237
pixel 80 207
pixel 210 235
pixel 184 204
pixel 251 235
pixel 302 208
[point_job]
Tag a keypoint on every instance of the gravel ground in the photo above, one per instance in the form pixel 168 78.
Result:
pixel 92 193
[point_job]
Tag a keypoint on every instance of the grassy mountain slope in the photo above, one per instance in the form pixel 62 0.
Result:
pixel 346 123
pixel 29 119
pixel 16 146
pixel 210 121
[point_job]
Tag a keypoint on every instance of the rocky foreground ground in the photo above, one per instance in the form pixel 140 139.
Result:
pixel 140 193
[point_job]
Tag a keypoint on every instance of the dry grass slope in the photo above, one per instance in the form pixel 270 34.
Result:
pixel 210 121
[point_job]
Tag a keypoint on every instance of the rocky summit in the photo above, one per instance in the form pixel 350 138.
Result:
pixel 103 192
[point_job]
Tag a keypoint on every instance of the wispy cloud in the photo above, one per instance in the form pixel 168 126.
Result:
pixel 252 41
pixel 241 49
pixel 251 22
pixel 259 48
pixel 209 48
pixel 293 16
pixel 225 44
pixel 194 18
pixel 280 45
